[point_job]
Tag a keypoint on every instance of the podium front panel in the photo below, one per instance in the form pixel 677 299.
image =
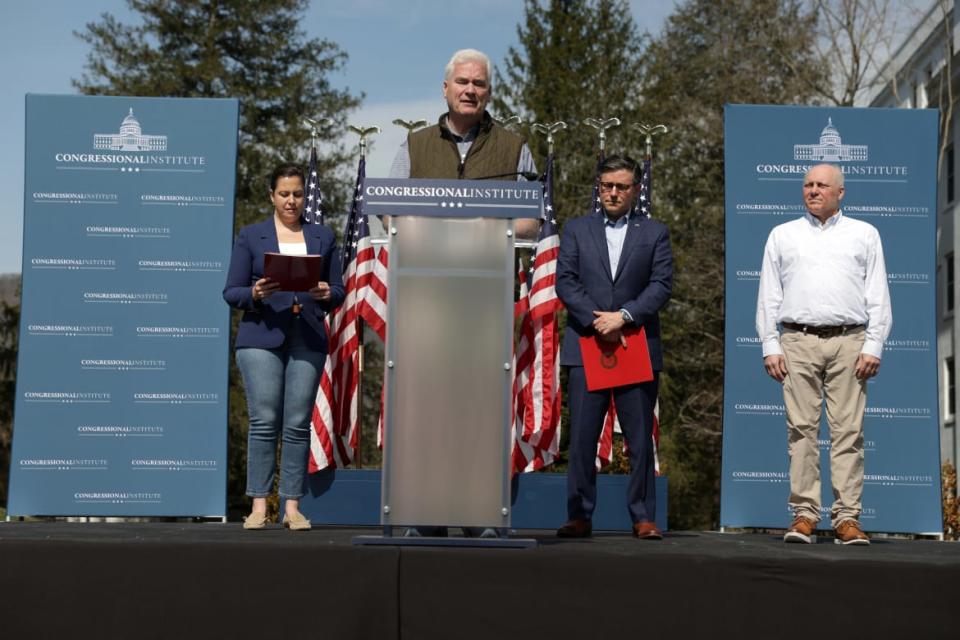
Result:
pixel 448 377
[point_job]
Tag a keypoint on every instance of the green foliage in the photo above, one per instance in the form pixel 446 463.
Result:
pixel 9 335
pixel 254 51
pixel 575 60
pixel 370 455
pixel 950 504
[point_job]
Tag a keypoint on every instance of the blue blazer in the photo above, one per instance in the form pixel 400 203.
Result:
pixel 264 324
pixel 585 284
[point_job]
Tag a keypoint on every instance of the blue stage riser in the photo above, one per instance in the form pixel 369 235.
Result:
pixel 351 497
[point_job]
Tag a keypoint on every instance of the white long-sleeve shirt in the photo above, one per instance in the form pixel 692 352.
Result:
pixel 824 275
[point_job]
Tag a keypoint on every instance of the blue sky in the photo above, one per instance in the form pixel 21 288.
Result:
pixel 397 54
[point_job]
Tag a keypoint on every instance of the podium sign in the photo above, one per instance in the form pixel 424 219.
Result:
pixel 447 439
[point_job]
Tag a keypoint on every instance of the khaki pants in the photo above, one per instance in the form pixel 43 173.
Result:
pixel 822 369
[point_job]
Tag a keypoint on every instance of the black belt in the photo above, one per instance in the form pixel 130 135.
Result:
pixel 822 332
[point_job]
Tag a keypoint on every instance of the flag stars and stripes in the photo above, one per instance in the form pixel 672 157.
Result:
pixel 335 435
pixel 313 211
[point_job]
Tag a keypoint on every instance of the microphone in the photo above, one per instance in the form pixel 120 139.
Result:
pixel 526 175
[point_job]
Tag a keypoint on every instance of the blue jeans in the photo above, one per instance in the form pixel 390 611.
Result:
pixel 281 386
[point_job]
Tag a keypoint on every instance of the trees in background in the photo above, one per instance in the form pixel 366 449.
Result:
pixel 9 335
pixel 575 59
pixel 254 51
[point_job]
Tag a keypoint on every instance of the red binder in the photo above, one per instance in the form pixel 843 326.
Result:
pixel 294 273
pixel 608 364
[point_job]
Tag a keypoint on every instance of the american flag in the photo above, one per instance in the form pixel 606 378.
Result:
pixel 643 195
pixel 313 208
pixel 597 205
pixel 336 428
pixel 537 367
pixel 611 424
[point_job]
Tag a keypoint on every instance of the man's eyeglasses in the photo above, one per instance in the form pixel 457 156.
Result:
pixel 619 186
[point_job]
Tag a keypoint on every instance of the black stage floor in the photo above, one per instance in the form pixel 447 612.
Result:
pixel 173 580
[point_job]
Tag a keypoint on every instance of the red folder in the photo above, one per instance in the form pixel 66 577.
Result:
pixel 294 273
pixel 609 364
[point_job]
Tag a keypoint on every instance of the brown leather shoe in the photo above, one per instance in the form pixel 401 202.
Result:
pixel 849 532
pixel 801 530
pixel 575 529
pixel 646 530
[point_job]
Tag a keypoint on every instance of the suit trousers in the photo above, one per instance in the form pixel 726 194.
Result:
pixel 821 371
pixel 588 409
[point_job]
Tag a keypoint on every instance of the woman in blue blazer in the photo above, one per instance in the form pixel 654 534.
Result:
pixel 281 344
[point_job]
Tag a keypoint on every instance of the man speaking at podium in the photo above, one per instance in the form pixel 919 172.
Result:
pixel 615 271
pixel 466 143
pixel 825 283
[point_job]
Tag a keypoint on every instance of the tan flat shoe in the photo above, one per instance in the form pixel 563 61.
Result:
pixel 255 521
pixel 296 522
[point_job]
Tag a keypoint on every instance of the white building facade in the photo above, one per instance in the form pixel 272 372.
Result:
pixel 913 81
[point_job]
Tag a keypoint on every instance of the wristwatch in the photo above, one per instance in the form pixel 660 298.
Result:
pixel 626 316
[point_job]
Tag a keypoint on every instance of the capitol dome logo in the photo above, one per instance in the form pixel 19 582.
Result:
pixel 129 138
pixel 830 149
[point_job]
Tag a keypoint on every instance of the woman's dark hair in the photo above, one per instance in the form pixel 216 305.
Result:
pixel 286 170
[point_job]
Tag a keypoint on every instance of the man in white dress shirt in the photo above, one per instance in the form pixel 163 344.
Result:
pixel 824 283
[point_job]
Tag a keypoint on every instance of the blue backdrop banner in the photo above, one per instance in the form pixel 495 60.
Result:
pixel 888 157
pixel 121 404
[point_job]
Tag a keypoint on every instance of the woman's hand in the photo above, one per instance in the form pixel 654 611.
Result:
pixel 321 292
pixel 264 288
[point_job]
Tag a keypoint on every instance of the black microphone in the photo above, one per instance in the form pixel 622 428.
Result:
pixel 526 175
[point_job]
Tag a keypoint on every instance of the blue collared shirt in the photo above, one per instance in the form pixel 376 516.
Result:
pixel 616 233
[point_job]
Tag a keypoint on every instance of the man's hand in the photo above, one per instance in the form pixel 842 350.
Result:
pixel 615 336
pixel 867 366
pixel 776 366
pixel 606 322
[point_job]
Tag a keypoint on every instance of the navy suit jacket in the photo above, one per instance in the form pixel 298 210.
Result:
pixel 264 324
pixel 585 284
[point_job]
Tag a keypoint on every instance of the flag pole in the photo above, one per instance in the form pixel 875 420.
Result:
pixel 363 132
pixel 549 130
pixel 601 125
pixel 314 127
pixel 410 125
pixel 508 122
pixel 649 130
pixel 645 196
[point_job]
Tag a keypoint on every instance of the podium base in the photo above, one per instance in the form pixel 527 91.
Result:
pixel 428 541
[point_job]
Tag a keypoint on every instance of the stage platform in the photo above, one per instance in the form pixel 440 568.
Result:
pixel 185 580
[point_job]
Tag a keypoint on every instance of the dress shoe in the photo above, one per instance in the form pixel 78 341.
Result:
pixel 801 530
pixel 646 530
pixel 296 522
pixel 849 532
pixel 575 529
pixel 255 521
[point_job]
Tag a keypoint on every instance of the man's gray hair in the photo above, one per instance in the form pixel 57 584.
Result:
pixel 468 55
pixel 836 170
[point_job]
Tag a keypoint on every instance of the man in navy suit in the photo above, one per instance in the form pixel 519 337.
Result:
pixel 615 270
